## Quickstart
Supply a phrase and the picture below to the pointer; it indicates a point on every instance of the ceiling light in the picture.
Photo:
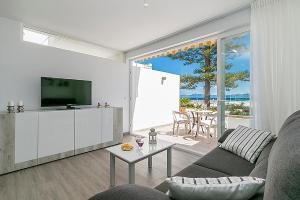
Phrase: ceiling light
(146, 4)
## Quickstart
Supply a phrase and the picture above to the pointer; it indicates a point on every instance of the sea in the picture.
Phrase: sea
(227, 99)
(236, 97)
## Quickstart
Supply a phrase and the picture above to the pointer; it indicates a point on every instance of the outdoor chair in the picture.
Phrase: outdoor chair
(193, 117)
(210, 122)
(181, 118)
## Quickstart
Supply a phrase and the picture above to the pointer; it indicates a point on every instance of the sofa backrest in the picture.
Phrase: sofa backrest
(261, 165)
(283, 177)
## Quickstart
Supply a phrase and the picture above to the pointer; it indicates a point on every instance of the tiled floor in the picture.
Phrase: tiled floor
(200, 144)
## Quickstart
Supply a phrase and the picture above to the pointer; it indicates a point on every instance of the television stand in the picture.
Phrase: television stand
(72, 107)
(43, 135)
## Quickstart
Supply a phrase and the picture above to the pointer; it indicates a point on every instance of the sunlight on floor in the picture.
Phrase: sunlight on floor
(200, 144)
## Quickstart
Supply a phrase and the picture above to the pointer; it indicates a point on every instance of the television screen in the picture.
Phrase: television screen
(63, 92)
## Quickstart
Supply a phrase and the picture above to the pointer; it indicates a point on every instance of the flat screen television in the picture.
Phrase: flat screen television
(65, 92)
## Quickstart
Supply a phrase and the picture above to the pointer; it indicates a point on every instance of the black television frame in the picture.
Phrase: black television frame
(68, 106)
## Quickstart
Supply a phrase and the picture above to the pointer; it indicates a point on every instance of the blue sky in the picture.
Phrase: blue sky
(240, 63)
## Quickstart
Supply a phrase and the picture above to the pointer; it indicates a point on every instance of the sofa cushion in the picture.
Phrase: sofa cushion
(193, 171)
(257, 197)
(261, 165)
(247, 142)
(260, 170)
(225, 135)
(266, 152)
(283, 178)
(223, 188)
(130, 192)
(224, 161)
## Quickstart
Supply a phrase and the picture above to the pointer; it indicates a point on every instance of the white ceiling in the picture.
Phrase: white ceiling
(118, 24)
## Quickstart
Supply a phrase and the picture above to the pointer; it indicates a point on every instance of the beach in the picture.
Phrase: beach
(213, 103)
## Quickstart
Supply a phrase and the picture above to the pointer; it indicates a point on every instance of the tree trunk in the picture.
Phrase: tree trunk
(207, 93)
(207, 58)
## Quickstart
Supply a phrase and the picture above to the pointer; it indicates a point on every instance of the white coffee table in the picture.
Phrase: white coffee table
(136, 155)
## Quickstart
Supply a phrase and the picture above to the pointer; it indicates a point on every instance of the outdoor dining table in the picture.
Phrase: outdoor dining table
(197, 119)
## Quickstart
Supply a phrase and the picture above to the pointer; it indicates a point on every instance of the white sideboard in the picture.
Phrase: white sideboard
(35, 137)
(26, 136)
(107, 127)
(56, 134)
(87, 128)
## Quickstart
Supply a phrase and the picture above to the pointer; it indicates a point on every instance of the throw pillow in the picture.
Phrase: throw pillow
(223, 188)
(247, 142)
(225, 135)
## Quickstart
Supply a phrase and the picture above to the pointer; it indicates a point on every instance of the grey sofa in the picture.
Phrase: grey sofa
(279, 164)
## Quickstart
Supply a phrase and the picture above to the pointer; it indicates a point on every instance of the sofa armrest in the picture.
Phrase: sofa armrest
(130, 192)
(225, 135)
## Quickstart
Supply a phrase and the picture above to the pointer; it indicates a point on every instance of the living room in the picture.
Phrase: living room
(149, 99)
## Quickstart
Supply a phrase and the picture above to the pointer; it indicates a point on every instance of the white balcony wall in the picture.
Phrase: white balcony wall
(152, 98)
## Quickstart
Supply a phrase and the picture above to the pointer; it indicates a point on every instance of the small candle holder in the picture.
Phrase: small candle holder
(20, 108)
(106, 105)
(99, 105)
(152, 136)
(10, 109)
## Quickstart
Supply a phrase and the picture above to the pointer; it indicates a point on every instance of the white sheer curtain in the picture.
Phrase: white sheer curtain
(275, 61)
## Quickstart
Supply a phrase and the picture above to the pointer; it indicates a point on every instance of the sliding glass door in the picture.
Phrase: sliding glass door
(233, 81)
(206, 80)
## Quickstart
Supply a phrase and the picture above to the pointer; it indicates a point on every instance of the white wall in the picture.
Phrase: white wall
(214, 27)
(22, 64)
(153, 100)
(84, 47)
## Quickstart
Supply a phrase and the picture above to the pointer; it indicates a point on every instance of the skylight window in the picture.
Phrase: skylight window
(35, 37)
(67, 43)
